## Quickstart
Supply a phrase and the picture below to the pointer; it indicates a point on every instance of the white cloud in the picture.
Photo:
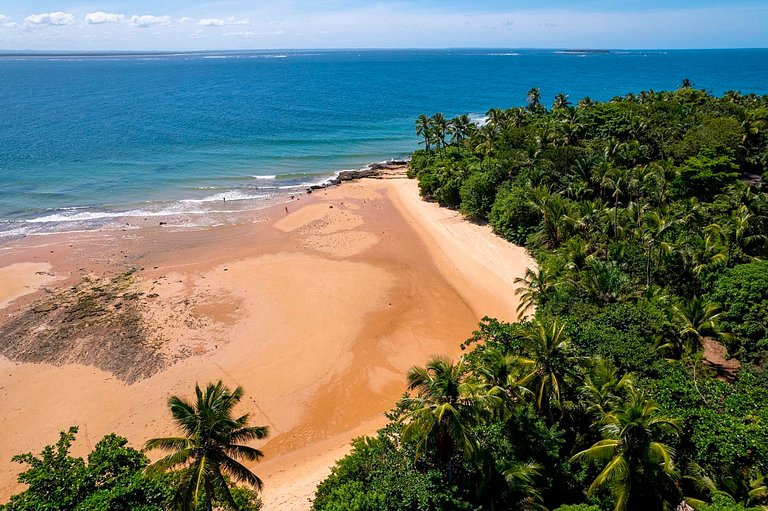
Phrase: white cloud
(210, 22)
(99, 17)
(217, 22)
(253, 35)
(50, 18)
(185, 19)
(147, 20)
(235, 21)
(6, 22)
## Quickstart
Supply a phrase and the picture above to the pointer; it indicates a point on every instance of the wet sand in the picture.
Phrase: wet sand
(318, 313)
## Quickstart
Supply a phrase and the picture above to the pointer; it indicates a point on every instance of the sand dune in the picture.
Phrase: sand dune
(317, 313)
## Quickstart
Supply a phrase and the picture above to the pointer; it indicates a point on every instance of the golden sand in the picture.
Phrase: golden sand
(318, 313)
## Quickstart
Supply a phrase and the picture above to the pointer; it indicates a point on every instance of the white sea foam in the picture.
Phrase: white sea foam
(231, 195)
(97, 215)
(264, 177)
(478, 119)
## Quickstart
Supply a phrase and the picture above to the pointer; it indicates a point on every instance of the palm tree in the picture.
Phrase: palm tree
(535, 284)
(443, 410)
(739, 485)
(440, 127)
(460, 128)
(656, 227)
(210, 447)
(553, 211)
(561, 102)
(741, 222)
(616, 180)
(695, 320)
(547, 363)
(686, 84)
(534, 99)
(516, 117)
(637, 466)
(500, 370)
(705, 253)
(603, 390)
(485, 142)
(497, 118)
(424, 129)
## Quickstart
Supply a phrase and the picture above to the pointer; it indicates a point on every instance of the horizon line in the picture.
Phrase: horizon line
(352, 48)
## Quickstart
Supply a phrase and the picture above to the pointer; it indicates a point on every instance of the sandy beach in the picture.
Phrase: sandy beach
(317, 307)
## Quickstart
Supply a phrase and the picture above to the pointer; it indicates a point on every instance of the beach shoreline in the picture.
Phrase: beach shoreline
(317, 306)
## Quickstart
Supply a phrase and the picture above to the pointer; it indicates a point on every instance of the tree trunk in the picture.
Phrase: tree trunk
(648, 265)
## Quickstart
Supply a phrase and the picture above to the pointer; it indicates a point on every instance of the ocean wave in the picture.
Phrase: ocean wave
(98, 215)
(478, 119)
(231, 195)
(265, 177)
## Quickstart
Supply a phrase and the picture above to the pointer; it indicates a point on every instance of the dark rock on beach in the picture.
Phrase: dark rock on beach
(373, 170)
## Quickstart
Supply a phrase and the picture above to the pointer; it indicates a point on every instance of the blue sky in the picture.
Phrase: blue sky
(252, 24)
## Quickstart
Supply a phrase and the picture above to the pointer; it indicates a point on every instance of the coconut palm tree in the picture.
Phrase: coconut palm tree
(686, 84)
(445, 406)
(440, 128)
(534, 99)
(739, 485)
(561, 102)
(738, 229)
(485, 142)
(516, 117)
(657, 226)
(695, 320)
(602, 389)
(617, 181)
(705, 253)
(546, 364)
(424, 129)
(460, 128)
(535, 284)
(497, 118)
(499, 368)
(210, 447)
(637, 466)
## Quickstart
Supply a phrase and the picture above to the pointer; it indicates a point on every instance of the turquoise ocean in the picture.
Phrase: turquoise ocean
(91, 141)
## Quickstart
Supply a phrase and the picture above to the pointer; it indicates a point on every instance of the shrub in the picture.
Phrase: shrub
(743, 293)
(512, 215)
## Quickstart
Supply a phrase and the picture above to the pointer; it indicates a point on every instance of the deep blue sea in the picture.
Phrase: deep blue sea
(85, 139)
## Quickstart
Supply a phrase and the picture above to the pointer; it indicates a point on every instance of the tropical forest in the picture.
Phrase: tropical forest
(636, 379)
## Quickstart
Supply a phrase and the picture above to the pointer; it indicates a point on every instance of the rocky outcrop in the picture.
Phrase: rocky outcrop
(374, 170)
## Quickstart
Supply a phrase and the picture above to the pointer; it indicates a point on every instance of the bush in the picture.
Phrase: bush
(512, 215)
(477, 193)
(377, 475)
(113, 479)
(706, 175)
(743, 293)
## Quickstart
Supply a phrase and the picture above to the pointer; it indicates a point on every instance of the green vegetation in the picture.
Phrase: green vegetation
(119, 478)
(209, 448)
(648, 217)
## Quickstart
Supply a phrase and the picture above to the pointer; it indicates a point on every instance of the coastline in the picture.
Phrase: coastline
(201, 207)
(331, 288)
